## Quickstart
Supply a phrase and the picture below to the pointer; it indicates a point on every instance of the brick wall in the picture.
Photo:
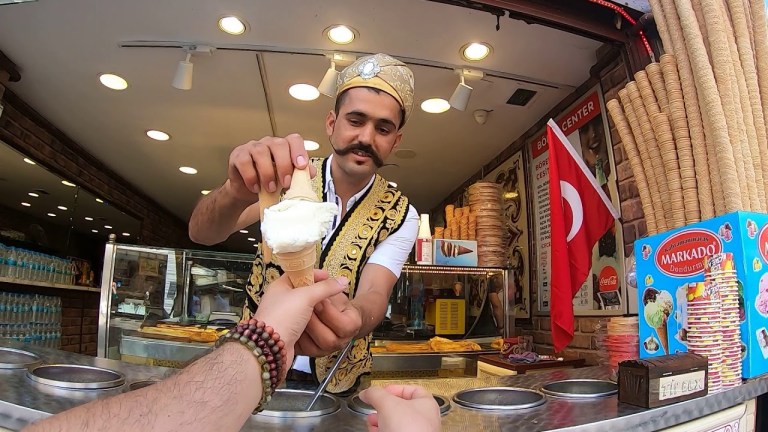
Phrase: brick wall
(27, 131)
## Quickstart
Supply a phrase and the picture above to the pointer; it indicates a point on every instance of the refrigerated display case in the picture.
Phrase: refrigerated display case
(177, 291)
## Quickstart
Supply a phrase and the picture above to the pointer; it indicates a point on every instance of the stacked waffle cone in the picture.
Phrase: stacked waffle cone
(459, 224)
(693, 125)
(485, 200)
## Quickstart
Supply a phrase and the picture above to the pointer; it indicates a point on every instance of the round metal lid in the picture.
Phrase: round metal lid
(580, 388)
(288, 403)
(11, 358)
(76, 376)
(499, 398)
(141, 384)
(357, 405)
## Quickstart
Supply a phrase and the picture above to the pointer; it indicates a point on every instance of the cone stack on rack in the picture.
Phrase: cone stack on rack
(715, 68)
(618, 340)
(485, 200)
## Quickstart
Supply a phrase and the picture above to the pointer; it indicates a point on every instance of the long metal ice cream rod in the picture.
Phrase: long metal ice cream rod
(328, 377)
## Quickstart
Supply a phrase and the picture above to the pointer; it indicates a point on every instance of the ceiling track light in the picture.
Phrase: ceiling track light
(328, 84)
(182, 80)
(460, 98)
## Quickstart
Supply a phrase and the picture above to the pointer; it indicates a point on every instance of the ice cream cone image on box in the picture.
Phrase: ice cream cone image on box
(453, 250)
(293, 228)
(657, 306)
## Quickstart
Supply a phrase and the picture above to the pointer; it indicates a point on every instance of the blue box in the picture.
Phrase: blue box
(461, 253)
(667, 262)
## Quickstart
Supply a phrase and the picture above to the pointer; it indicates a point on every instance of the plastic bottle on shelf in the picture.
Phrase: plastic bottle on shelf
(10, 261)
(424, 241)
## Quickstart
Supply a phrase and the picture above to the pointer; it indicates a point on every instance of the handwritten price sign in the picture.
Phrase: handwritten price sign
(680, 385)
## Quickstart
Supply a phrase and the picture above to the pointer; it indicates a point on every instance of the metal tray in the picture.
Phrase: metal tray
(76, 376)
(580, 388)
(499, 398)
(291, 403)
(11, 358)
(357, 405)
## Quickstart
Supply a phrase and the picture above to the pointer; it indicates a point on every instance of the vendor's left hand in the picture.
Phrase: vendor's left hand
(333, 324)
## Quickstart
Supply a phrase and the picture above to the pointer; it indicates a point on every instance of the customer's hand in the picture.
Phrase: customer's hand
(336, 320)
(266, 164)
(402, 408)
(288, 309)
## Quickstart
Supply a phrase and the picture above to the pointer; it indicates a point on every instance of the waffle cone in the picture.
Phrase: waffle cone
(299, 266)
(663, 336)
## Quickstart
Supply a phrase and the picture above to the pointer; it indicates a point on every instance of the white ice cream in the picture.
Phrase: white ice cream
(291, 225)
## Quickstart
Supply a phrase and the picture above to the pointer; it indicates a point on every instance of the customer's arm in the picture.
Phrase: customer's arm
(217, 392)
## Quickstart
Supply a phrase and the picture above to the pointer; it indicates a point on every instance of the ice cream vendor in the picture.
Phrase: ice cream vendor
(370, 240)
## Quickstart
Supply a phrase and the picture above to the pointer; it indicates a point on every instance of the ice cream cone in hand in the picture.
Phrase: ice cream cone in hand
(299, 266)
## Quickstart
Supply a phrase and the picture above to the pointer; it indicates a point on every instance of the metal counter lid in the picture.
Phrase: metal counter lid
(291, 403)
(357, 405)
(11, 358)
(76, 376)
(499, 398)
(580, 388)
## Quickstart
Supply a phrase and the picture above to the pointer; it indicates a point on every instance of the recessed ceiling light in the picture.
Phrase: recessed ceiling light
(62, 208)
(393, 184)
(99, 200)
(304, 92)
(340, 34)
(232, 25)
(435, 106)
(26, 204)
(251, 239)
(244, 231)
(88, 218)
(52, 214)
(33, 195)
(205, 191)
(94, 230)
(256, 245)
(475, 51)
(158, 135)
(113, 81)
(108, 226)
(310, 145)
(66, 183)
(126, 234)
(29, 161)
(188, 170)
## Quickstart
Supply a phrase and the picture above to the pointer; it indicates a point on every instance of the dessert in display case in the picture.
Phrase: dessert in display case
(162, 306)
(441, 318)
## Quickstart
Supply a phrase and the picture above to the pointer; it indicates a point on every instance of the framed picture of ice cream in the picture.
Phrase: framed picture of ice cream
(585, 125)
(511, 176)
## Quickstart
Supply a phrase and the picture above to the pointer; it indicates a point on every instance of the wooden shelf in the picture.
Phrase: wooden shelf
(49, 285)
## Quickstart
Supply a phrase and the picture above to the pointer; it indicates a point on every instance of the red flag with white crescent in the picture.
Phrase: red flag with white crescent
(580, 213)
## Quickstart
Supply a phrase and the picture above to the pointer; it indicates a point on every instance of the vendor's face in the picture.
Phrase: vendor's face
(365, 130)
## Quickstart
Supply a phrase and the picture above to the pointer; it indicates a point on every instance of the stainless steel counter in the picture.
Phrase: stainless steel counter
(23, 401)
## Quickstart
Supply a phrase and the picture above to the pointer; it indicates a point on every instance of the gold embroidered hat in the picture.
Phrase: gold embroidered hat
(382, 72)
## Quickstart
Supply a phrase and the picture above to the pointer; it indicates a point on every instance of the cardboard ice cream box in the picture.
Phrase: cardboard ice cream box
(667, 262)
(461, 253)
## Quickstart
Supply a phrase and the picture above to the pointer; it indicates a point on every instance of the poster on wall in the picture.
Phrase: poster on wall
(511, 176)
(586, 126)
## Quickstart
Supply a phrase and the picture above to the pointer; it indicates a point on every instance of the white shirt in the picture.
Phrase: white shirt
(391, 253)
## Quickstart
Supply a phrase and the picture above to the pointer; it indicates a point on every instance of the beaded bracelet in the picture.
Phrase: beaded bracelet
(269, 350)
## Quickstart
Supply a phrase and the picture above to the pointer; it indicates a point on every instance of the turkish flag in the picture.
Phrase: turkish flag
(580, 213)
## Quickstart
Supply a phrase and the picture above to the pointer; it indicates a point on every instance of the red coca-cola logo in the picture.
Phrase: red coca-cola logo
(762, 243)
(682, 254)
(608, 279)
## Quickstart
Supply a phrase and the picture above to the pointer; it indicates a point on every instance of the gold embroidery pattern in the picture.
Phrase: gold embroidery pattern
(380, 213)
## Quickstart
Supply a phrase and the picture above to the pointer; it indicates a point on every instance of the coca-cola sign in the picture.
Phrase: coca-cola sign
(608, 279)
(683, 254)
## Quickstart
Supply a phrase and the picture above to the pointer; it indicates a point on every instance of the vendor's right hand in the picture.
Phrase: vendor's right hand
(266, 164)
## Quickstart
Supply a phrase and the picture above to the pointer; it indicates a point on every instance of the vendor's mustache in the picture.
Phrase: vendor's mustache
(365, 148)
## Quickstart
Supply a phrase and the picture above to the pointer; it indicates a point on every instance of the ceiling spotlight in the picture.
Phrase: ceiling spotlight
(311, 145)
(26, 204)
(88, 218)
(393, 184)
(100, 200)
(340, 34)
(304, 92)
(188, 170)
(33, 195)
(66, 183)
(232, 25)
(435, 106)
(29, 161)
(113, 81)
(328, 84)
(126, 234)
(158, 135)
(205, 191)
(475, 51)
(52, 214)
(251, 239)
(108, 226)
(94, 230)
(460, 97)
(62, 208)
(244, 231)
(183, 78)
